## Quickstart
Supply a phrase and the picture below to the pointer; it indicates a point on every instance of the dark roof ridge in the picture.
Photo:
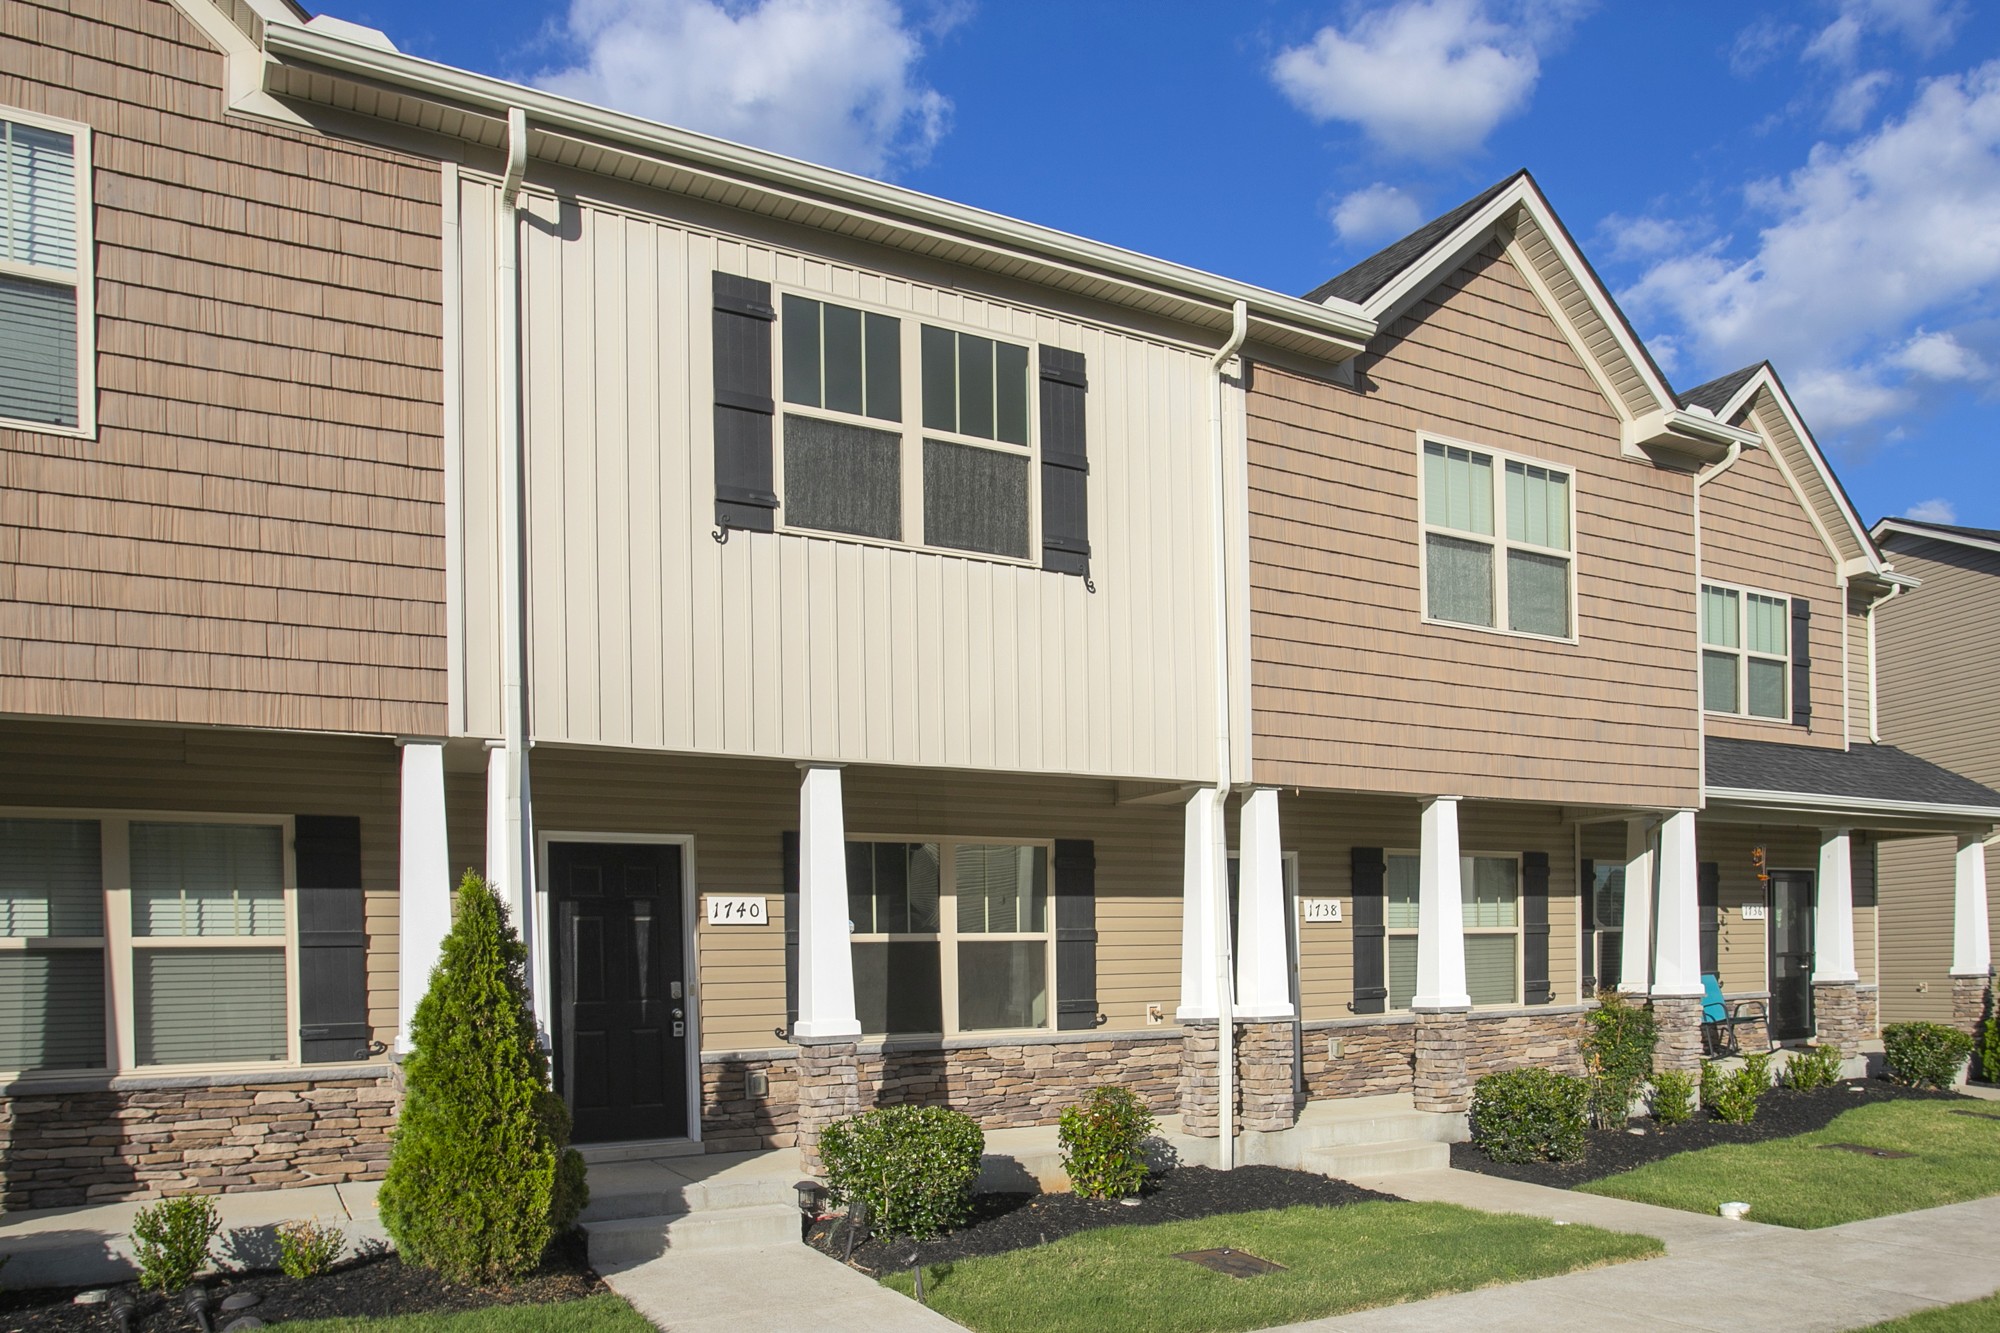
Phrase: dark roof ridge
(1982, 534)
(1372, 274)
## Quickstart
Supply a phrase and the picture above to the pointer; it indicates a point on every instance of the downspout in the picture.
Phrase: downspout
(1701, 479)
(1225, 972)
(517, 874)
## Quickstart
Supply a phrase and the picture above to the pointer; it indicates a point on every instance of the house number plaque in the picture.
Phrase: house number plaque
(737, 912)
(1319, 909)
(1753, 911)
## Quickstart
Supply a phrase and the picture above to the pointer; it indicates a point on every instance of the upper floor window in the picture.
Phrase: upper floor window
(1497, 541)
(1745, 651)
(44, 272)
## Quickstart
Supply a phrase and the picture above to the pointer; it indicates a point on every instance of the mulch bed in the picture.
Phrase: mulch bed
(1003, 1222)
(1781, 1114)
(379, 1284)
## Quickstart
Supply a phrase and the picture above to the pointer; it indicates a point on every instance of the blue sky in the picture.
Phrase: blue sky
(1817, 182)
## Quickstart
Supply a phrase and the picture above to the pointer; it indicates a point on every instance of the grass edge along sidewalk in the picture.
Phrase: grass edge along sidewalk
(1336, 1260)
(601, 1313)
(1954, 1149)
(1968, 1317)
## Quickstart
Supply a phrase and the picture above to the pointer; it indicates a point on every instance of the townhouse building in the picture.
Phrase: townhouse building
(882, 650)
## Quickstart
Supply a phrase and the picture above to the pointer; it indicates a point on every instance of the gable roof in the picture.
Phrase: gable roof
(1715, 395)
(1874, 773)
(1982, 538)
(1372, 274)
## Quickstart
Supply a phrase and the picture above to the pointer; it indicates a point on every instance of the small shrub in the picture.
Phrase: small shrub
(1673, 1097)
(1618, 1051)
(1757, 1065)
(1989, 1050)
(1103, 1143)
(1925, 1055)
(912, 1165)
(1733, 1097)
(308, 1247)
(1530, 1115)
(1814, 1067)
(170, 1239)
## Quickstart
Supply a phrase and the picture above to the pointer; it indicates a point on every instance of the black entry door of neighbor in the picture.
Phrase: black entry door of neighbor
(621, 1020)
(1790, 930)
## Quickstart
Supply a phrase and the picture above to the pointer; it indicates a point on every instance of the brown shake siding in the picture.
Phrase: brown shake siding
(1351, 689)
(255, 537)
(1756, 534)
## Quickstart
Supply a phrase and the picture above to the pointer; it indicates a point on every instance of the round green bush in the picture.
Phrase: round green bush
(481, 1175)
(914, 1166)
(1103, 1143)
(1814, 1067)
(1732, 1098)
(1530, 1115)
(1673, 1097)
(1925, 1055)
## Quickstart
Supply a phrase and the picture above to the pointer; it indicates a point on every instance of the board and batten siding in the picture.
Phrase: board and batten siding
(1756, 534)
(256, 535)
(1351, 688)
(92, 767)
(648, 633)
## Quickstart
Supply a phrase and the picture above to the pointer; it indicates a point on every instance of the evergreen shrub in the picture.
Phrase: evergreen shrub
(1673, 1097)
(1103, 1143)
(1618, 1051)
(913, 1166)
(481, 1175)
(1814, 1067)
(170, 1239)
(308, 1247)
(1530, 1115)
(1989, 1050)
(1925, 1055)
(1732, 1098)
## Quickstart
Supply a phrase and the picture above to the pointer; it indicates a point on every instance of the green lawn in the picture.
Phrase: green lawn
(602, 1313)
(1971, 1317)
(1337, 1259)
(1794, 1183)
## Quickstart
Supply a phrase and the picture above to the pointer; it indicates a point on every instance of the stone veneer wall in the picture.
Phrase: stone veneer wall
(1868, 1000)
(1375, 1057)
(143, 1138)
(1971, 1001)
(1545, 1039)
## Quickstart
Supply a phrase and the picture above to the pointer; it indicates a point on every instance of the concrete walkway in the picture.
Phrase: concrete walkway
(1717, 1276)
(770, 1289)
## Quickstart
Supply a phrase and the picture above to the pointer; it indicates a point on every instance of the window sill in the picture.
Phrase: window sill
(35, 1085)
(1570, 641)
(1755, 719)
(784, 529)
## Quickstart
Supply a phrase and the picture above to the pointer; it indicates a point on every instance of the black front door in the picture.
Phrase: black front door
(621, 1008)
(1790, 930)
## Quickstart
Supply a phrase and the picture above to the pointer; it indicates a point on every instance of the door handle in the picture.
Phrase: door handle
(678, 1014)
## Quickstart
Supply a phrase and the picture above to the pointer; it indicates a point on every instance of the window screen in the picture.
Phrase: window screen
(975, 499)
(1537, 593)
(842, 478)
(1460, 576)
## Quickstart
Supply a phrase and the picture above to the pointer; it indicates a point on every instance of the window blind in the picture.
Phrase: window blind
(52, 1009)
(209, 1005)
(1458, 489)
(208, 879)
(1537, 506)
(38, 352)
(37, 196)
(1001, 890)
(1491, 974)
(51, 878)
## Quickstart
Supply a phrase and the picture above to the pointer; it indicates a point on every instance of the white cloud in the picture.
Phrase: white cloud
(1427, 78)
(1863, 242)
(1378, 213)
(1856, 98)
(1758, 45)
(1933, 511)
(831, 81)
(1926, 26)
(1639, 238)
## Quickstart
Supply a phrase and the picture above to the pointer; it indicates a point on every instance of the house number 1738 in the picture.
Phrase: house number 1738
(736, 912)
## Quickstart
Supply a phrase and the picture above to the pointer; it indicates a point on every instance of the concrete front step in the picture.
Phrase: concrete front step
(633, 1240)
(617, 1201)
(1378, 1159)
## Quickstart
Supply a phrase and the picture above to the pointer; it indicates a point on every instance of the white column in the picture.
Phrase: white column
(1636, 956)
(500, 857)
(1971, 943)
(826, 956)
(1200, 883)
(423, 885)
(1833, 912)
(1263, 967)
(510, 864)
(1440, 912)
(1677, 951)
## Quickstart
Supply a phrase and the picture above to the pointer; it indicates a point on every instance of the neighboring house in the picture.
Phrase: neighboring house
(883, 650)
(1937, 666)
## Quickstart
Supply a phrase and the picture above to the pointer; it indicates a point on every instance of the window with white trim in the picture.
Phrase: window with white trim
(1490, 900)
(1497, 541)
(941, 456)
(951, 936)
(45, 265)
(192, 962)
(1745, 652)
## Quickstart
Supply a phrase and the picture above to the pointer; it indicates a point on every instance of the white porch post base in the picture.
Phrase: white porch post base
(1199, 886)
(1636, 955)
(1440, 912)
(1677, 951)
(826, 957)
(423, 886)
(1263, 965)
(1833, 913)
(1971, 939)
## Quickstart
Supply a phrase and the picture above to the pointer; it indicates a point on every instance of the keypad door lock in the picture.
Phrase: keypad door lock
(680, 1028)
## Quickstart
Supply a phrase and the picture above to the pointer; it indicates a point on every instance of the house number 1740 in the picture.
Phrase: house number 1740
(736, 912)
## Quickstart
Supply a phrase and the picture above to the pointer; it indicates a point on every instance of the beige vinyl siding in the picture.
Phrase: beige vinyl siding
(255, 538)
(1325, 828)
(1917, 912)
(1859, 704)
(648, 633)
(95, 767)
(1743, 946)
(1351, 689)
(737, 812)
(1755, 534)
(1866, 878)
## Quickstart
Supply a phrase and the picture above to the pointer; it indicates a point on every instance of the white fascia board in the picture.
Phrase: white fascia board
(1818, 803)
(1678, 428)
(1339, 322)
(1896, 527)
(1764, 379)
(243, 63)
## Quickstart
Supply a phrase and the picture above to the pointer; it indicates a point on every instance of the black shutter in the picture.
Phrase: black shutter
(791, 855)
(1371, 987)
(744, 497)
(333, 940)
(1708, 898)
(1587, 913)
(1801, 662)
(1535, 987)
(1076, 934)
(1065, 465)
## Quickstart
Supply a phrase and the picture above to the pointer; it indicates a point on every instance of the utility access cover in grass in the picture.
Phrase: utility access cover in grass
(1865, 1150)
(1236, 1263)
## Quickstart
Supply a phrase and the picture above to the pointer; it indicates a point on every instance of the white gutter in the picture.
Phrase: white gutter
(1861, 805)
(1225, 971)
(1701, 479)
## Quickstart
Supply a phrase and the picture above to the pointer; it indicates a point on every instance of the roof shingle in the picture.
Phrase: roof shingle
(1380, 269)
(1864, 772)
